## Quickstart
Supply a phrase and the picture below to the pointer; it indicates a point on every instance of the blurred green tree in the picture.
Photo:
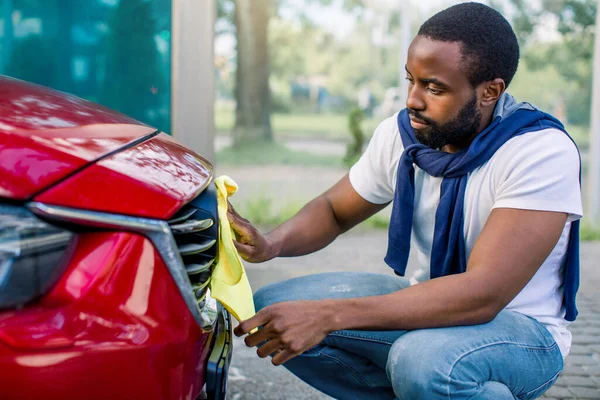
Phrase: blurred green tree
(571, 56)
(251, 20)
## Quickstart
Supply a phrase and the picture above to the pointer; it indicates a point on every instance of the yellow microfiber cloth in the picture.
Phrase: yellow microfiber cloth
(229, 283)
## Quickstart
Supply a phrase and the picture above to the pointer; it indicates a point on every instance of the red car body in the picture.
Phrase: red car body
(116, 323)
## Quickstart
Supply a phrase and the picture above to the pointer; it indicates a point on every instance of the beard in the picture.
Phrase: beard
(455, 132)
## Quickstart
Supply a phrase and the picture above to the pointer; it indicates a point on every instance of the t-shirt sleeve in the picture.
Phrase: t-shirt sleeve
(374, 174)
(539, 171)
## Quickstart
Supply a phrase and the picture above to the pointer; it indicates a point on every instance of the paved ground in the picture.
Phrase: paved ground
(252, 378)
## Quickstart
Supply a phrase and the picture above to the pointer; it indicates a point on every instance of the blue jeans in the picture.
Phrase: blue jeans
(511, 357)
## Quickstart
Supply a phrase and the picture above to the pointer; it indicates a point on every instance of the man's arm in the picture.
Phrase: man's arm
(510, 249)
(315, 226)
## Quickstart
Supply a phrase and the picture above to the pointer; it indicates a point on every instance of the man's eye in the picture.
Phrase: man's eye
(409, 79)
(435, 91)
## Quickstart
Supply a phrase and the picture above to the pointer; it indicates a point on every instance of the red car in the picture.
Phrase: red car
(108, 232)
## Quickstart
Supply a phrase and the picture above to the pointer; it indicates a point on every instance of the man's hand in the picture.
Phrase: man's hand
(288, 329)
(252, 245)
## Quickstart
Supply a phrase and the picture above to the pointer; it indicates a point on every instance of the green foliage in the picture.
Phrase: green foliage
(355, 147)
(225, 9)
(588, 234)
(377, 221)
(281, 103)
(581, 135)
(571, 56)
(271, 153)
(531, 84)
(261, 212)
(300, 50)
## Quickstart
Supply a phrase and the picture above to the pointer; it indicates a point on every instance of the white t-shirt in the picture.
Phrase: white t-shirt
(534, 171)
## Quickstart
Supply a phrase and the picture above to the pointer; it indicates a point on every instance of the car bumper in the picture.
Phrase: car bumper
(220, 357)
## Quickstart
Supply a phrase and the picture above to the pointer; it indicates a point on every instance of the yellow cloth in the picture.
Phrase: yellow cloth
(229, 283)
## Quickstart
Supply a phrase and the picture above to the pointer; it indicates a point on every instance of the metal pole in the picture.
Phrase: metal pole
(594, 156)
(405, 39)
(193, 74)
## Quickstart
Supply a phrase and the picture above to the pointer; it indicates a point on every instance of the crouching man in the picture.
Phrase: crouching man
(487, 190)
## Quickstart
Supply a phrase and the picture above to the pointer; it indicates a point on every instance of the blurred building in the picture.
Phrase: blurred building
(130, 55)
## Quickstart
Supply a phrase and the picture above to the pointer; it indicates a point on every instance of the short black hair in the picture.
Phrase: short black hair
(489, 44)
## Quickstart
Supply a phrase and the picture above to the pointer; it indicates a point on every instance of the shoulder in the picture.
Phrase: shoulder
(388, 127)
(386, 136)
(543, 146)
(538, 171)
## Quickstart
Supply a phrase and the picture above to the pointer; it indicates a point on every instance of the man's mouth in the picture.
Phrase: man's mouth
(417, 123)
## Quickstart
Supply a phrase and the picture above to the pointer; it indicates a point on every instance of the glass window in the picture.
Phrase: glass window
(113, 52)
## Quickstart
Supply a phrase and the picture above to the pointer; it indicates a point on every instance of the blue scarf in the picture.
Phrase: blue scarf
(448, 254)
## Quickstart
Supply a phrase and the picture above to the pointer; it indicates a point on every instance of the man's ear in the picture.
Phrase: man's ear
(492, 91)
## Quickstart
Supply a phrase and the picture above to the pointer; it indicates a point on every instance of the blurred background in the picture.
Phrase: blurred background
(302, 84)
(283, 95)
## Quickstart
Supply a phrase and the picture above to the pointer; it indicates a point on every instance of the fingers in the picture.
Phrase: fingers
(239, 228)
(244, 250)
(283, 356)
(261, 335)
(268, 348)
(231, 209)
(259, 319)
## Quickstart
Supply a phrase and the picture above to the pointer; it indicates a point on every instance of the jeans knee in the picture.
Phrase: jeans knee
(292, 289)
(263, 297)
(425, 365)
(418, 369)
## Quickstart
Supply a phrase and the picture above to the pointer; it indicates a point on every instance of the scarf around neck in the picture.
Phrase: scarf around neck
(448, 254)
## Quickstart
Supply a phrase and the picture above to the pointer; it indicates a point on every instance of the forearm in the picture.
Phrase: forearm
(448, 301)
(313, 228)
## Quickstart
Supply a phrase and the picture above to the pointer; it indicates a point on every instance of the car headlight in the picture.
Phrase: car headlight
(31, 255)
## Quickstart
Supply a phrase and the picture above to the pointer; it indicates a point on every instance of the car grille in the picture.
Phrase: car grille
(195, 230)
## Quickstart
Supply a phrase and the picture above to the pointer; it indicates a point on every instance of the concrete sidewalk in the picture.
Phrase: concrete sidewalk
(254, 378)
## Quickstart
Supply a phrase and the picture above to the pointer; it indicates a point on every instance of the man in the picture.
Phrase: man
(489, 189)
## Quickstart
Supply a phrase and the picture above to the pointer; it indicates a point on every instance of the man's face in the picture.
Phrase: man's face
(443, 105)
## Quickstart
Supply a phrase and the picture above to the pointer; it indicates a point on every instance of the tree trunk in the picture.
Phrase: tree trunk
(253, 112)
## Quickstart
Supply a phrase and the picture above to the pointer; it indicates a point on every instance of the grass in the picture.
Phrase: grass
(272, 153)
(323, 126)
(377, 222)
(260, 212)
(588, 234)
(335, 126)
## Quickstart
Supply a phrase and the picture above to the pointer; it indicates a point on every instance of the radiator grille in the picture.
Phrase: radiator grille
(195, 230)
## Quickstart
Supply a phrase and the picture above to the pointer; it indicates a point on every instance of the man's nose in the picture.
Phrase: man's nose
(414, 101)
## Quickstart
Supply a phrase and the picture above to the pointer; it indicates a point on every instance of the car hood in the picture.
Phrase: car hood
(47, 136)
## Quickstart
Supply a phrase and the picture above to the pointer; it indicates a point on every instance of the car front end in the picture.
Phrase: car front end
(108, 236)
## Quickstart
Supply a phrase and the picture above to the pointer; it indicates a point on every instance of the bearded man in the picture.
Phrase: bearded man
(487, 191)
